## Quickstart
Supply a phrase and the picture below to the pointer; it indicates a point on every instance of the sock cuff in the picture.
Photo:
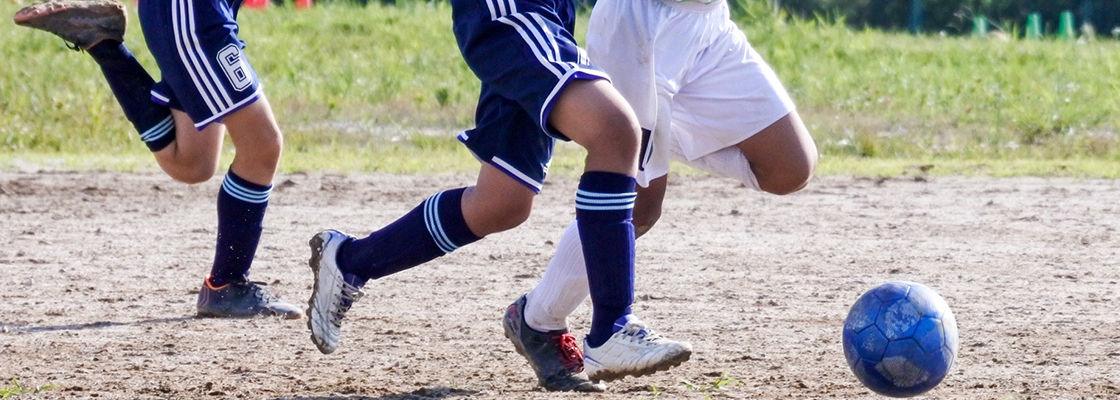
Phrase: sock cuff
(241, 189)
(159, 135)
(443, 217)
(109, 50)
(605, 196)
(606, 182)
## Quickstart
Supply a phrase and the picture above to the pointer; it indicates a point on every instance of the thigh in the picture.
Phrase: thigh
(195, 154)
(256, 136)
(727, 97)
(196, 45)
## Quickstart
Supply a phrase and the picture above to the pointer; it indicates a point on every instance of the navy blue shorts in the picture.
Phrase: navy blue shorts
(524, 53)
(194, 42)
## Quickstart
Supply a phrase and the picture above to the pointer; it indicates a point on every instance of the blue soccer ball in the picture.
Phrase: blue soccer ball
(900, 339)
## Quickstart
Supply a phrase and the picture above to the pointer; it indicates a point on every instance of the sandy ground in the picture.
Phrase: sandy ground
(101, 270)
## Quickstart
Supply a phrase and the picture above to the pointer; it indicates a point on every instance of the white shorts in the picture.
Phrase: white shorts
(689, 73)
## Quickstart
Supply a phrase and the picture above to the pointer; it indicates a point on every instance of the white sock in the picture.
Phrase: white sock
(562, 288)
(728, 162)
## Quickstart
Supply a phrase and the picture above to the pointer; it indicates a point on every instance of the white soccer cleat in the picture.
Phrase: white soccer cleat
(635, 350)
(332, 295)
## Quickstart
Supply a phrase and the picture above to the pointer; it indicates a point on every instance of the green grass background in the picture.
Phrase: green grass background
(383, 88)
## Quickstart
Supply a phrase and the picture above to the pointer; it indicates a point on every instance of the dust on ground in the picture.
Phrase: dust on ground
(101, 270)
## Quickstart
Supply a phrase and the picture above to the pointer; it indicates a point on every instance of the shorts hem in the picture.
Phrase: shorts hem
(218, 116)
(517, 175)
(582, 74)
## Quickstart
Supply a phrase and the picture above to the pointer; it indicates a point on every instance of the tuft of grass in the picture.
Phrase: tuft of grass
(15, 389)
(717, 383)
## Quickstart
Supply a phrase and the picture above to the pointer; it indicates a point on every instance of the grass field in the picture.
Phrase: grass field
(371, 88)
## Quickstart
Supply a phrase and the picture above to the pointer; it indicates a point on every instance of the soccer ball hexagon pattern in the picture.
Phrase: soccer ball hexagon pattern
(900, 339)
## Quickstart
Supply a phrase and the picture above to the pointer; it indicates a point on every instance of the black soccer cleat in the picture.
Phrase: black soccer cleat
(555, 356)
(242, 299)
(83, 23)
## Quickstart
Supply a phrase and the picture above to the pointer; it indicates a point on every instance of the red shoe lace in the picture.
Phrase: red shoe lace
(571, 357)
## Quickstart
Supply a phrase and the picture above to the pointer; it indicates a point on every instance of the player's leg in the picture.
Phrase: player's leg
(781, 156)
(563, 287)
(206, 75)
(596, 116)
(733, 102)
(439, 225)
(98, 27)
(620, 40)
(193, 156)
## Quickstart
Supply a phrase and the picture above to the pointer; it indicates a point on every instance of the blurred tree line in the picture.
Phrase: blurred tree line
(956, 16)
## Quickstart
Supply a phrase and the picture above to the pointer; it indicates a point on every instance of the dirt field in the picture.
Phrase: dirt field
(100, 273)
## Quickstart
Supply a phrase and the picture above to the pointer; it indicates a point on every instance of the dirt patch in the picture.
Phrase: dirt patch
(100, 273)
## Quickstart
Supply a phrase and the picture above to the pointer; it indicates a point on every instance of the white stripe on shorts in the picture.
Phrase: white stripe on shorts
(537, 42)
(501, 8)
(505, 166)
(195, 60)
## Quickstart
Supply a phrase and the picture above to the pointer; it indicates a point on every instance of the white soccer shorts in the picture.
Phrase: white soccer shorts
(691, 77)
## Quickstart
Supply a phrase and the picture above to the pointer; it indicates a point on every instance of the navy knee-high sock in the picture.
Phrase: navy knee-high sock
(432, 229)
(132, 86)
(241, 206)
(604, 217)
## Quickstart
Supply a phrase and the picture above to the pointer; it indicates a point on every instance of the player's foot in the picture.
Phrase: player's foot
(81, 22)
(333, 294)
(634, 350)
(242, 299)
(554, 356)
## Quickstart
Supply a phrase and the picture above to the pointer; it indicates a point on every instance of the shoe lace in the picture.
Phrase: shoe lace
(346, 298)
(259, 292)
(638, 332)
(571, 357)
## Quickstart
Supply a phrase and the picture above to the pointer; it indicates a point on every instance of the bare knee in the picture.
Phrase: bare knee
(496, 204)
(594, 115)
(643, 223)
(616, 135)
(507, 213)
(192, 174)
(786, 180)
(782, 156)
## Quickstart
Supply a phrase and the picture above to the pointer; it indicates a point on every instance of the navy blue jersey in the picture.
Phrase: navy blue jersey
(195, 43)
(524, 53)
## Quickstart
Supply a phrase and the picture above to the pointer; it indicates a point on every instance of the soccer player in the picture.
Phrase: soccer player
(703, 97)
(207, 86)
(537, 86)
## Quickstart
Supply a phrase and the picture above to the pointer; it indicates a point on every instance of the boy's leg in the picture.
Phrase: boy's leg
(98, 26)
(779, 159)
(595, 116)
(207, 76)
(242, 201)
(563, 287)
(439, 225)
(782, 157)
